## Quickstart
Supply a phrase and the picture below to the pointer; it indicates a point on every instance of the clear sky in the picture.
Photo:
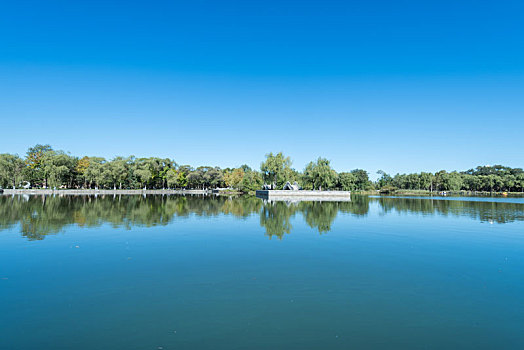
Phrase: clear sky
(395, 85)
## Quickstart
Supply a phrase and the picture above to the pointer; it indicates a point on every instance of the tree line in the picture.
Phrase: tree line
(44, 167)
(497, 178)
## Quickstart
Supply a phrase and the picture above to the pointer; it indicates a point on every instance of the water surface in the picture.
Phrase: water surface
(194, 272)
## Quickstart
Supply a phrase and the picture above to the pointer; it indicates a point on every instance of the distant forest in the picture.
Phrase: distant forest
(44, 167)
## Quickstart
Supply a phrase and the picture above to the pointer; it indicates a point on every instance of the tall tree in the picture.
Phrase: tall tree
(35, 166)
(362, 179)
(94, 172)
(347, 181)
(81, 168)
(58, 169)
(320, 175)
(426, 181)
(251, 181)
(234, 178)
(143, 171)
(11, 167)
(384, 180)
(276, 169)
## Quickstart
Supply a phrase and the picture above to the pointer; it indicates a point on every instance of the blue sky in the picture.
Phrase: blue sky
(400, 86)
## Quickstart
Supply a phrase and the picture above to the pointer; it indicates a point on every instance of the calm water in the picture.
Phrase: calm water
(216, 273)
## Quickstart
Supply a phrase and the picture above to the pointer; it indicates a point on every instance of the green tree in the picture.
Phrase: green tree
(11, 168)
(58, 169)
(175, 178)
(184, 171)
(509, 182)
(94, 172)
(384, 180)
(276, 170)
(438, 179)
(81, 168)
(251, 181)
(426, 181)
(143, 172)
(519, 182)
(118, 171)
(320, 175)
(450, 181)
(214, 177)
(471, 182)
(195, 179)
(347, 181)
(362, 179)
(234, 178)
(35, 166)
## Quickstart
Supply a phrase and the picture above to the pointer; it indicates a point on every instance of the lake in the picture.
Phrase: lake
(195, 272)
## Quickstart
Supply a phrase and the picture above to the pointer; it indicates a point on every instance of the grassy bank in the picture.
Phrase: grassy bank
(435, 193)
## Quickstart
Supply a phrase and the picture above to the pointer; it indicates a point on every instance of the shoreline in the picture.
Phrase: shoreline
(100, 192)
(258, 193)
(437, 193)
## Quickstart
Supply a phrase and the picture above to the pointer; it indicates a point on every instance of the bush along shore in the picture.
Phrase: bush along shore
(42, 167)
(400, 192)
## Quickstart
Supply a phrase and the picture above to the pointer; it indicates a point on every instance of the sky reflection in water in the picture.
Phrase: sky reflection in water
(200, 273)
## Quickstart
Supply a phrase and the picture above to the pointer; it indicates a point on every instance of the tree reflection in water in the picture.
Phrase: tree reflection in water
(484, 211)
(38, 216)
